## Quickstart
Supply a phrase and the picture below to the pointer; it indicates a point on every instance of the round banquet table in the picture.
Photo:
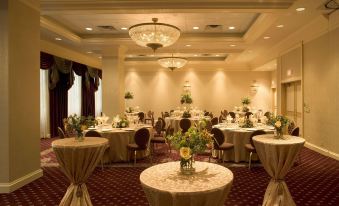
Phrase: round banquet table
(118, 139)
(77, 160)
(238, 137)
(277, 157)
(174, 122)
(164, 185)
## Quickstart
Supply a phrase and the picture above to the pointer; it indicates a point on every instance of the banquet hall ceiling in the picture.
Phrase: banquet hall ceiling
(256, 27)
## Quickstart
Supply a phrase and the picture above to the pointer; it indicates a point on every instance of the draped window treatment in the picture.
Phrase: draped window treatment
(61, 78)
(44, 105)
(74, 97)
(98, 100)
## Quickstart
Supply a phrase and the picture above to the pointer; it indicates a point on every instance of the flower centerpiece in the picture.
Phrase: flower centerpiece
(119, 122)
(129, 95)
(129, 110)
(279, 122)
(78, 124)
(195, 140)
(186, 114)
(245, 102)
(245, 122)
(186, 99)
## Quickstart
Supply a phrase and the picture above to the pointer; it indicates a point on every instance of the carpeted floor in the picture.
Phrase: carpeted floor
(313, 182)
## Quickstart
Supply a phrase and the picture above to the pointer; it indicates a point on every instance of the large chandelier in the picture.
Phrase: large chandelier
(172, 62)
(154, 35)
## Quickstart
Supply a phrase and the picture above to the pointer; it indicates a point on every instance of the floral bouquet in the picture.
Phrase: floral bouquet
(186, 99)
(78, 124)
(129, 110)
(195, 140)
(186, 114)
(129, 95)
(245, 122)
(279, 122)
(120, 122)
(245, 102)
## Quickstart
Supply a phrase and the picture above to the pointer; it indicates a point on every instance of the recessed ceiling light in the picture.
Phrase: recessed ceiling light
(195, 27)
(280, 26)
(188, 45)
(217, 55)
(300, 9)
(89, 29)
(123, 28)
(267, 37)
(231, 27)
(100, 57)
(232, 45)
(89, 52)
(195, 55)
(58, 39)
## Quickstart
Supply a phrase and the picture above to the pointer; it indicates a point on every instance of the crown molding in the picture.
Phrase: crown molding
(261, 24)
(34, 4)
(58, 29)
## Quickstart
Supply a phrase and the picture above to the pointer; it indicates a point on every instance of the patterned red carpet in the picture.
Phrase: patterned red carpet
(313, 182)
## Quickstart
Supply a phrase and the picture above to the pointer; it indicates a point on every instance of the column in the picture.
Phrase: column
(113, 83)
(19, 89)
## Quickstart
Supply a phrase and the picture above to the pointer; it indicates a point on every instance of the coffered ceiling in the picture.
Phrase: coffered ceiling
(227, 33)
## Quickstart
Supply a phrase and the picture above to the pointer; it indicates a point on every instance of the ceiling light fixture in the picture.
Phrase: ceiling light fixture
(172, 62)
(195, 27)
(188, 45)
(154, 35)
(280, 26)
(267, 37)
(231, 27)
(58, 39)
(89, 52)
(123, 28)
(300, 9)
(89, 28)
(232, 45)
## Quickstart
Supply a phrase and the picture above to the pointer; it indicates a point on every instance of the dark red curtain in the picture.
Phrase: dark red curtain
(58, 107)
(88, 98)
(46, 60)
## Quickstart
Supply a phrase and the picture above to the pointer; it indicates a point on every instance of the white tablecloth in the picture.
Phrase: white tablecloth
(165, 186)
(118, 139)
(238, 137)
(277, 156)
(78, 160)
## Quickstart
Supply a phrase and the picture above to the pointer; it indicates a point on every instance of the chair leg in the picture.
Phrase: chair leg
(135, 157)
(249, 161)
(151, 158)
(102, 164)
(223, 156)
(128, 156)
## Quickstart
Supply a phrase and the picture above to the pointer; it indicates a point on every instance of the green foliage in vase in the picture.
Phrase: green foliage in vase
(246, 101)
(186, 99)
(278, 122)
(129, 95)
(186, 114)
(79, 123)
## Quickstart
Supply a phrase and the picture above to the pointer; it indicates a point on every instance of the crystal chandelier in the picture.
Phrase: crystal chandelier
(172, 62)
(154, 35)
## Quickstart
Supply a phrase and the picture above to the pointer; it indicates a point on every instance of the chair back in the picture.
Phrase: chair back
(218, 137)
(141, 116)
(248, 114)
(209, 126)
(295, 131)
(232, 114)
(61, 133)
(185, 124)
(225, 113)
(141, 138)
(92, 133)
(267, 114)
(206, 113)
(150, 114)
(158, 126)
(214, 121)
(255, 133)
(169, 131)
(221, 118)
(290, 127)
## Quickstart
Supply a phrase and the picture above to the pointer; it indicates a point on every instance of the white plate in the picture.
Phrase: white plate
(92, 128)
(251, 129)
(106, 130)
(128, 129)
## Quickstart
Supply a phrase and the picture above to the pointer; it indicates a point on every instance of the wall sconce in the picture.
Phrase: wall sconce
(254, 87)
(289, 72)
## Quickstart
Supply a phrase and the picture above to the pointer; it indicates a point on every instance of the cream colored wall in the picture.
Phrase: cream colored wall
(19, 119)
(213, 90)
(321, 74)
(60, 51)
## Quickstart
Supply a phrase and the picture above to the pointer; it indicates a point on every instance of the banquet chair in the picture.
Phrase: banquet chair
(214, 121)
(61, 133)
(209, 126)
(291, 127)
(232, 114)
(141, 139)
(165, 114)
(185, 124)
(150, 118)
(248, 114)
(158, 128)
(141, 116)
(221, 118)
(219, 142)
(250, 146)
(163, 124)
(92, 133)
(267, 115)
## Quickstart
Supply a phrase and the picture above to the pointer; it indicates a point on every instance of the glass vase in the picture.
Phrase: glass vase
(278, 133)
(186, 166)
(80, 136)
